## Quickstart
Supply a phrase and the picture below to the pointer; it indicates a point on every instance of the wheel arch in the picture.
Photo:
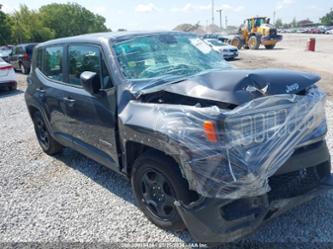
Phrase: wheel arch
(32, 110)
(134, 149)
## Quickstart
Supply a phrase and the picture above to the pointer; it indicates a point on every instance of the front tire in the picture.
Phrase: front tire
(46, 141)
(254, 42)
(157, 183)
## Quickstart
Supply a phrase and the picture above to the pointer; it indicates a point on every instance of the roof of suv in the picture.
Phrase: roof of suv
(26, 44)
(116, 36)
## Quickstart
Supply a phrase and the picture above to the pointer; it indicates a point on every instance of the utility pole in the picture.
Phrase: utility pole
(213, 12)
(226, 22)
(220, 11)
(274, 17)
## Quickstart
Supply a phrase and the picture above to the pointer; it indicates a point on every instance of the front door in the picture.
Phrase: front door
(92, 118)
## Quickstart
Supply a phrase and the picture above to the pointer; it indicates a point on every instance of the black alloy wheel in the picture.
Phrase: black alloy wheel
(46, 141)
(158, 194)
(157, 183)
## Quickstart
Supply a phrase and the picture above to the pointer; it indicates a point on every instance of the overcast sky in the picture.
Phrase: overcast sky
(166, 14)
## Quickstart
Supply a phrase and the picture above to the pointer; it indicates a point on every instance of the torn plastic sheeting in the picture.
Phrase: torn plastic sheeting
(254, 140)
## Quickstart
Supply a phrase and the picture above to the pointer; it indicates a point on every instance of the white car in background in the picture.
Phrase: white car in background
(7, 76)
(229, 52)
(329, 32)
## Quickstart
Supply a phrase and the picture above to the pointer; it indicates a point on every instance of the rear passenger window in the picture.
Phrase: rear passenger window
(52, 62)
(86, 58)
(19, 50)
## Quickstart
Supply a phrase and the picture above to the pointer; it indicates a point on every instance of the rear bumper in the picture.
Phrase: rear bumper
(219, 220)
(8, 84)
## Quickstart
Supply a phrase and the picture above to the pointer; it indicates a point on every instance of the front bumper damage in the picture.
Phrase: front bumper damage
(222, 221)
(299, 175)
(257, 144)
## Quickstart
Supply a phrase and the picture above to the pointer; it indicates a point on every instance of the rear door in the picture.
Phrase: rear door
(92, 118)
(50, 90)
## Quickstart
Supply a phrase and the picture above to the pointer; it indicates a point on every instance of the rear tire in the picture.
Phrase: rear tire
(269, 46)
(254, 42)
(157, 183)
(23, 69)
(46, 141)
(237, 42)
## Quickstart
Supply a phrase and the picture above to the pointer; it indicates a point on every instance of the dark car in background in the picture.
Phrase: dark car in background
(21, 57)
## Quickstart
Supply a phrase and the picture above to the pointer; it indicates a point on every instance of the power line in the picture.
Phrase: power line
(220, 11)
(213, 12)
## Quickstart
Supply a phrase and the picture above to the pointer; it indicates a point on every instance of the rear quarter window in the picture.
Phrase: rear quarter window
(39, 58)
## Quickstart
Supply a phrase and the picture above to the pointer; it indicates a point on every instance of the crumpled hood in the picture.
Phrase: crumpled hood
(241, 86)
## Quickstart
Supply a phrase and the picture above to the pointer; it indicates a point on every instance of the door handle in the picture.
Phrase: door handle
(40, 90)
(69, 100)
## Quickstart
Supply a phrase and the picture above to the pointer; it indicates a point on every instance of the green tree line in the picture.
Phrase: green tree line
(48, 22)
(325, 20)
(328, 18)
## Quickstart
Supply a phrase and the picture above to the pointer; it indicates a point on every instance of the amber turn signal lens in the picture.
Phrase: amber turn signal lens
(210, 131)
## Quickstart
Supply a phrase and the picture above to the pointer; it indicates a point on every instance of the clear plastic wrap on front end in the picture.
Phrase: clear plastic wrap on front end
(253, 140)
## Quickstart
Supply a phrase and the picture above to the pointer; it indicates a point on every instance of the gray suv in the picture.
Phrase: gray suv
(213, 149)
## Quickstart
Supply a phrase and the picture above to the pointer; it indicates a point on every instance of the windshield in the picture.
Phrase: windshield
(260, 21)
(216, 43)
(166, 56)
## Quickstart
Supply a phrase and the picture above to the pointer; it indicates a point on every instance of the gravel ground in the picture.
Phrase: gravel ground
(291, 51)
(71, 198)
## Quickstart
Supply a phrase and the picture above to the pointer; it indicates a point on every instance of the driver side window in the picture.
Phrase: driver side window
(86, 58)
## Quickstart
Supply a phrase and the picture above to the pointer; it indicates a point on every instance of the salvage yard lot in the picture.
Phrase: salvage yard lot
(71, 198)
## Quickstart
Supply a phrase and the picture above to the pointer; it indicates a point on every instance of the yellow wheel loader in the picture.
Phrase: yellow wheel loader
(254, 32)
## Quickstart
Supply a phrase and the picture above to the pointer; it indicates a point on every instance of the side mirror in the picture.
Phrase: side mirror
(90, 82)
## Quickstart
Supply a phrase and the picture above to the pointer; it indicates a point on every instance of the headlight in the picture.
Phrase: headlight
(261, 127)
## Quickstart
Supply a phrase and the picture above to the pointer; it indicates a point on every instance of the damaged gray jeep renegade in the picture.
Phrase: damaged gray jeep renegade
(213, 149)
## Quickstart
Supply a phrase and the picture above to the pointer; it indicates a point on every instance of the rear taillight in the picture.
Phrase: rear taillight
(6, 68)
(26, 56)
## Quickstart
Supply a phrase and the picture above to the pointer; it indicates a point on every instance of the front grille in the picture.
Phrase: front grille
(298, 182)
